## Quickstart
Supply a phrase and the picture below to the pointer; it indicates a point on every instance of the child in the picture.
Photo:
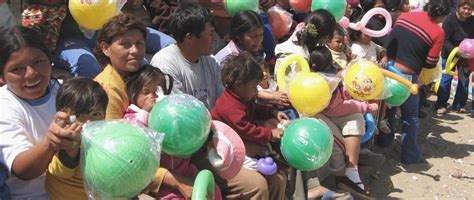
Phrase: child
(64, 178)
(348, 115)
(268, 90)
(237, 108)
(337, 45)
(364, 47)
(144, 87)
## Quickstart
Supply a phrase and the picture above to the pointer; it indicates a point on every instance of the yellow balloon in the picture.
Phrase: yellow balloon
(364, 80)
(429, 75)
(92, 14)
(451, 62)
(282, 68)
(309, 93)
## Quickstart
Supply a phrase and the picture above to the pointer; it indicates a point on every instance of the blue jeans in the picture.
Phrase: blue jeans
(444, 90)
(410, 122)
(4, 190)
(75, 54)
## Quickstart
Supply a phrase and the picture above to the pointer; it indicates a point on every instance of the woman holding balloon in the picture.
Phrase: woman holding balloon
(419, 33)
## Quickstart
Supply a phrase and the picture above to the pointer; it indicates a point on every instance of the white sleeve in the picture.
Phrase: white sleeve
(357, 51)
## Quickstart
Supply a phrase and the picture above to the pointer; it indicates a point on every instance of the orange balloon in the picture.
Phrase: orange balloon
(280, 20)
(301, 5)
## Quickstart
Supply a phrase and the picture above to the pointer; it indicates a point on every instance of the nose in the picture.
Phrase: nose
(30, 72)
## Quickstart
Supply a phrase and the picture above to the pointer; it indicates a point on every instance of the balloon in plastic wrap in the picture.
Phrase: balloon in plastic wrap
(336, 7)
(364, 80)
(234, 6)
(280, 20)
(307, 144)
(93, 14)
(400, 92)
(184, 120)
(301, 5)
(119, 159)
(309, 93)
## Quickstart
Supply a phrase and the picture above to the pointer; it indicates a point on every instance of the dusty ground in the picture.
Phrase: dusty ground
(447, 141)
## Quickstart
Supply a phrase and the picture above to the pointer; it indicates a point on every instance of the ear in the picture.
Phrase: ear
(105, 48)
(2, 81)
(188, 36)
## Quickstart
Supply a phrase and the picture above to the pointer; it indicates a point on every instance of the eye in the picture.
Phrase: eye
(17, 69)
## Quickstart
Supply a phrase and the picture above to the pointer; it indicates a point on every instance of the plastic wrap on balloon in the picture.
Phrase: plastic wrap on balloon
(118, 158)
(428, 76)
(234, 6)
(93, 14)
(466, 48)
(307, 144)
(280, 20)
(309, 93)
(336, 7)
(287, 69)
(301, 6)
(399, 93)
(364, 80)
(184, 120)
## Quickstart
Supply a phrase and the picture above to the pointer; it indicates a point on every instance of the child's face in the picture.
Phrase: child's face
(247, 91)
(336, 43)
(95, 114)
(148, 93)
(405, 6)
(364, 39)
(266, 74)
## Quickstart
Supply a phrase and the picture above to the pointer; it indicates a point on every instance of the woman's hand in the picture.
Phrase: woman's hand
(63, 134)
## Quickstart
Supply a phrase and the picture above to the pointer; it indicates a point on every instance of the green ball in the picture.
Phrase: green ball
(117, 158)
(307, 144)
(336, 7)
(184, 120)
(400, 92)
(234, 6)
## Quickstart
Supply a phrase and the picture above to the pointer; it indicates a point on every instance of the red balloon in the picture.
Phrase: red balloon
(280, 20)
(353, 3)
(301, 5)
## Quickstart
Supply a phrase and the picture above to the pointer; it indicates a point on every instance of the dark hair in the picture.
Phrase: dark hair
(470, 3)
(355, 34)
(116, 26)
(261, 61)
(17, 37)
(243, 22)
(80, 95)
(437, 8)
(135, 81)
(189, 18)
(243, 67)
(320, 59)
(323, 21)
(338, 30)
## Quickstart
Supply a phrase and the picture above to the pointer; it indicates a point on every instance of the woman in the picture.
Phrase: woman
(30, 135)
(246, 34)
(414, 43)
(457, 27)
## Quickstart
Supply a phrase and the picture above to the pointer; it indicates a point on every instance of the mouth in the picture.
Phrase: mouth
(33, 84)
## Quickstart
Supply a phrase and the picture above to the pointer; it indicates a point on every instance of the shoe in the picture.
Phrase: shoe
(441, 110)
(462, 110)
(416, 167)
(370, 158)
(344, 183)
(384, 127)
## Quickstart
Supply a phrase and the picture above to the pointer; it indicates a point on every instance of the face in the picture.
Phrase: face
(364, 39)
(27, 73)
(336, 43)
(204, 43)
(95, 114)
(148, 91)
(252, 40)
(464, 12)
(379, 4)
(126, 52)
(266, 74)
(247, 91)
(405, 6)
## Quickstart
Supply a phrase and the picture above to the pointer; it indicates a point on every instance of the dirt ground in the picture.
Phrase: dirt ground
(447, 141)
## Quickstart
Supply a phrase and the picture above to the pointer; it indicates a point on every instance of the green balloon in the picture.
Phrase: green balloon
(307, 144)
(234, 6)
(400, 92)
(336, 7)
(184, 120)
(203, 185)
(117, 158)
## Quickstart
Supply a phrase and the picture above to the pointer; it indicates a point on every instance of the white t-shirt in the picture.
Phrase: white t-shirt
(24, 124)
(369, 52)
(201, 80)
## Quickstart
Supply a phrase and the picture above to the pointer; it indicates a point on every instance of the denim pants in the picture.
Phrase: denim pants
(410, 122)
(75, 54)
(444, 90)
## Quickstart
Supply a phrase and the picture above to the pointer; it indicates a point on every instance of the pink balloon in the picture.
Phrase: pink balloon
(466, 48)
(361, 25)
(353, 3)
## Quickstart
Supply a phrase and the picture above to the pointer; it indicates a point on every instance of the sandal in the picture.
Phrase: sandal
(462, 110)
(346, 184)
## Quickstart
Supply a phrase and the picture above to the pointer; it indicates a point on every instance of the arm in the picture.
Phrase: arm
(164, 177)
(277, 98)
(237, 120)
(447, 45)
(341, 105)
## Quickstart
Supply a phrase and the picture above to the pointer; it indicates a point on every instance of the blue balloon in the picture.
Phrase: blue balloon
(369, 127)
(391, 67)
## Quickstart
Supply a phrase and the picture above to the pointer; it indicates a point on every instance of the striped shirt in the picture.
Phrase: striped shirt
(415, 41)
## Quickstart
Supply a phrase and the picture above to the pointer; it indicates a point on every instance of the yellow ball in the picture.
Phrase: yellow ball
(92, 15)
(364, 80)
(309, 93)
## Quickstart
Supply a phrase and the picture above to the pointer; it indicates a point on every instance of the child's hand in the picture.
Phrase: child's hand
(281, 116)
(149, 103)
(276, 134)
(383, 62)
(281, 98)
(373, 107)
(62, 134)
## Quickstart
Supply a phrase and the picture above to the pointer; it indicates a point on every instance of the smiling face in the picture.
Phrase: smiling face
(126, 52)
(27, 73)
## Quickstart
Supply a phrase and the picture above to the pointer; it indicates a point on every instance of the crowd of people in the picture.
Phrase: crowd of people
(230, 71)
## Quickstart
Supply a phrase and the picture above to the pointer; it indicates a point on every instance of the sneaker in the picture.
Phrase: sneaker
(384, 127)
(370, 158)
(344, 183)
(441, 110)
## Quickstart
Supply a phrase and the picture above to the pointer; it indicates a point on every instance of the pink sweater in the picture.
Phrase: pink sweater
(342, 104)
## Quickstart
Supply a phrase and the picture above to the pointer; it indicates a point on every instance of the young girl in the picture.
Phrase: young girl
(64, 177)
(346, 113)
(364, 47)
(237, 108)
(144, 87)
(268, 90)
(337, 45)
